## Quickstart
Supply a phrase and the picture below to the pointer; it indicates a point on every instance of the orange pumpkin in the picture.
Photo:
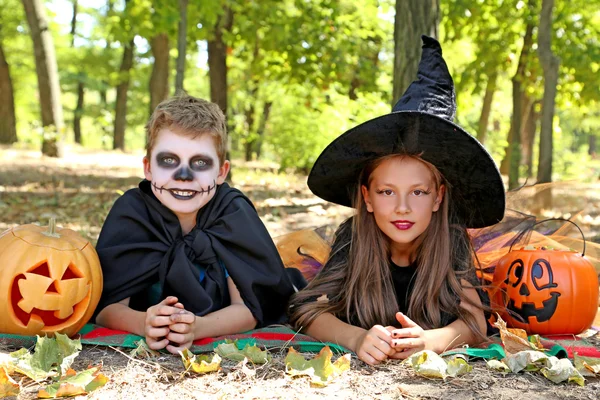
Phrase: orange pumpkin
(51, 280)
(545, 291)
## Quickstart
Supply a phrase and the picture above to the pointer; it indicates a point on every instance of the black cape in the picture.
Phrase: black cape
(141, 243)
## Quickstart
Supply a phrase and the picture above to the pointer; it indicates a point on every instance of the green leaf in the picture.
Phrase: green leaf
(143, 351)
(230, 351)
(319, 369)
(201, 363)
(74, 385)
(587, 366)
(457, 365)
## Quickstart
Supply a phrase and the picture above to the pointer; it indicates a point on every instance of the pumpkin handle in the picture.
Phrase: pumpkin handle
(518, 237)
(52, 228)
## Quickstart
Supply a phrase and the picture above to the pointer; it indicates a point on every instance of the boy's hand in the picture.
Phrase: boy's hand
(157, 323)
(375, 345)
(407, 340)
(182, 328)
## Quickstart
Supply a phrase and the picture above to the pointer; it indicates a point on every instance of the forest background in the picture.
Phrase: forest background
(291, 75)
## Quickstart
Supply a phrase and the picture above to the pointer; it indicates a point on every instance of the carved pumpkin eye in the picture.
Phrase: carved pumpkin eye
(515, 273)
(541, 275)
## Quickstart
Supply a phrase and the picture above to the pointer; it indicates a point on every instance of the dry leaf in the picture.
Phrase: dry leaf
(143, 351)
(514, 340)
(8, 387)
(202, 363)
(319, 369)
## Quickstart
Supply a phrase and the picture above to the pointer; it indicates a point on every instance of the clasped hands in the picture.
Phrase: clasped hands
(380, 343)
(169, 325)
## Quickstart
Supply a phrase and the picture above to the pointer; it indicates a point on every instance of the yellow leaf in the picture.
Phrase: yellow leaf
(497, 365)
(429, 364)
(319, 369)
(587, 366)
(8, 387)
(201, 364)
(143, 351)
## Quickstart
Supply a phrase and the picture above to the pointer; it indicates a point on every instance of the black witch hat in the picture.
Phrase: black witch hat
(421, 123)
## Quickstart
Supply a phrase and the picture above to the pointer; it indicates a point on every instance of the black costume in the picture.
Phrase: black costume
(141, 243)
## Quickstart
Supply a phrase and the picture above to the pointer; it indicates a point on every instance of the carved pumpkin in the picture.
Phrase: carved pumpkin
(545, 291)
(51, 280)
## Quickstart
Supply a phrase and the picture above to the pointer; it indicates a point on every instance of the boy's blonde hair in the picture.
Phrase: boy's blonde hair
(189, 116)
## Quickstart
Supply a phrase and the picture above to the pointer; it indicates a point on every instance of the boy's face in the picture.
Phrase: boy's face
(184, 172)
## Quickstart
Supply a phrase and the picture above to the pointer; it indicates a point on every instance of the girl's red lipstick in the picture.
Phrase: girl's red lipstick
(403, 225)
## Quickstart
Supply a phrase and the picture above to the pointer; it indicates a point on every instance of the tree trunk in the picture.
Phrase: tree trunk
(109, 6)
(74, 23)
(550, 63)
(592, 144)
(513, 155)
(249, 146)
(217, 67)
(8, 120)
(413, 18)
(181, 46)
(121, 103)
(78, 111)
(486, 109)
(159, 80)
(529, 131)
(47, 74)
(262, 124)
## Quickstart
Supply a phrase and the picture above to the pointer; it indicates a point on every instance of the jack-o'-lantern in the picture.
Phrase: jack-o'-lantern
(51, 280)
(545, 291)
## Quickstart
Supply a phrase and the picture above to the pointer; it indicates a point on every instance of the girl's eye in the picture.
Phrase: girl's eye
(386, 192)
(420, 192)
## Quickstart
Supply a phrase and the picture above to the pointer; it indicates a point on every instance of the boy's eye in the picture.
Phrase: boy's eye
(201, 163)
(169, 160)
(198, 163)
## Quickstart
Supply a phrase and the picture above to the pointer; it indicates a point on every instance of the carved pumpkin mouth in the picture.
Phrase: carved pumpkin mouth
(527, 310)
(33, 306)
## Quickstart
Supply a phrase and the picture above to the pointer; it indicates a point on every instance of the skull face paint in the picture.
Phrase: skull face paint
(184, 172)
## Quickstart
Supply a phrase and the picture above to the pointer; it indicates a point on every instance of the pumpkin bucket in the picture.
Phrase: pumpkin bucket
(51, 280)
(545, 290)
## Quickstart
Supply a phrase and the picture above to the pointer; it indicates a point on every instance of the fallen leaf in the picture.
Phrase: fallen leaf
(457, 365)
(429, 364)
(8, 387)
(51, 357)
(497, 365)
(529, 360)
(562, 370)
(587, 366)
(201, 363)
(230, 351)
(514, 340)
(143, 351)
(74, 385)
(319, 369)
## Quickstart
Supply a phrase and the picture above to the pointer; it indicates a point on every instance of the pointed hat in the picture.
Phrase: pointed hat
(421, 123)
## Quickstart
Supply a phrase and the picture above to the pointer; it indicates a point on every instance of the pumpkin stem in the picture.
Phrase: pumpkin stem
(52, 228)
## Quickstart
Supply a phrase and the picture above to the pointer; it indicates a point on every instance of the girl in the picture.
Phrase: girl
(401, 274)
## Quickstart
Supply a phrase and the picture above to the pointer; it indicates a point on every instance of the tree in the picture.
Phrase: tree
(121, 102)
(8, 121)
(159, 80)
(181, 45)
(550, 63)
(413, 19)
(78, 112)
(47, 74)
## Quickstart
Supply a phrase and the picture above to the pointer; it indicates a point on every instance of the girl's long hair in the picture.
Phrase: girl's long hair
(357, 280)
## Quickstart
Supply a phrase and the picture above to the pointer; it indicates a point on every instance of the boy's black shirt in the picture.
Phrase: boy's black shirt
(141, 242)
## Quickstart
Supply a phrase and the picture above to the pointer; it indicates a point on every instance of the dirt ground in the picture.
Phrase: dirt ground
(79, 189)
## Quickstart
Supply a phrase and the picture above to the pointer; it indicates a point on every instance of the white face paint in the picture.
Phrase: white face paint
(184, 172)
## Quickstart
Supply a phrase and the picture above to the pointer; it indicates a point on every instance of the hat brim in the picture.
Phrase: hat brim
(478, 196)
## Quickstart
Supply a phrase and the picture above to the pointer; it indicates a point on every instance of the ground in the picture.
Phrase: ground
(78, 191)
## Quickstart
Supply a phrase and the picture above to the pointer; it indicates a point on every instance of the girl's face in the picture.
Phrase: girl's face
(402, 197)
(184, 172)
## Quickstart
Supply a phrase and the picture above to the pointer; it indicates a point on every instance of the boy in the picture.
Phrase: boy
(185, 256)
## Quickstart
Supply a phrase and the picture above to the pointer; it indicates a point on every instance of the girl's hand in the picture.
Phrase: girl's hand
(409, 339)
(156, 326)
(374, 345)
(182, 328)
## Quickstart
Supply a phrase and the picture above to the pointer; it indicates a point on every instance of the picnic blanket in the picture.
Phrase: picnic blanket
(272, 337)
(278, 337)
